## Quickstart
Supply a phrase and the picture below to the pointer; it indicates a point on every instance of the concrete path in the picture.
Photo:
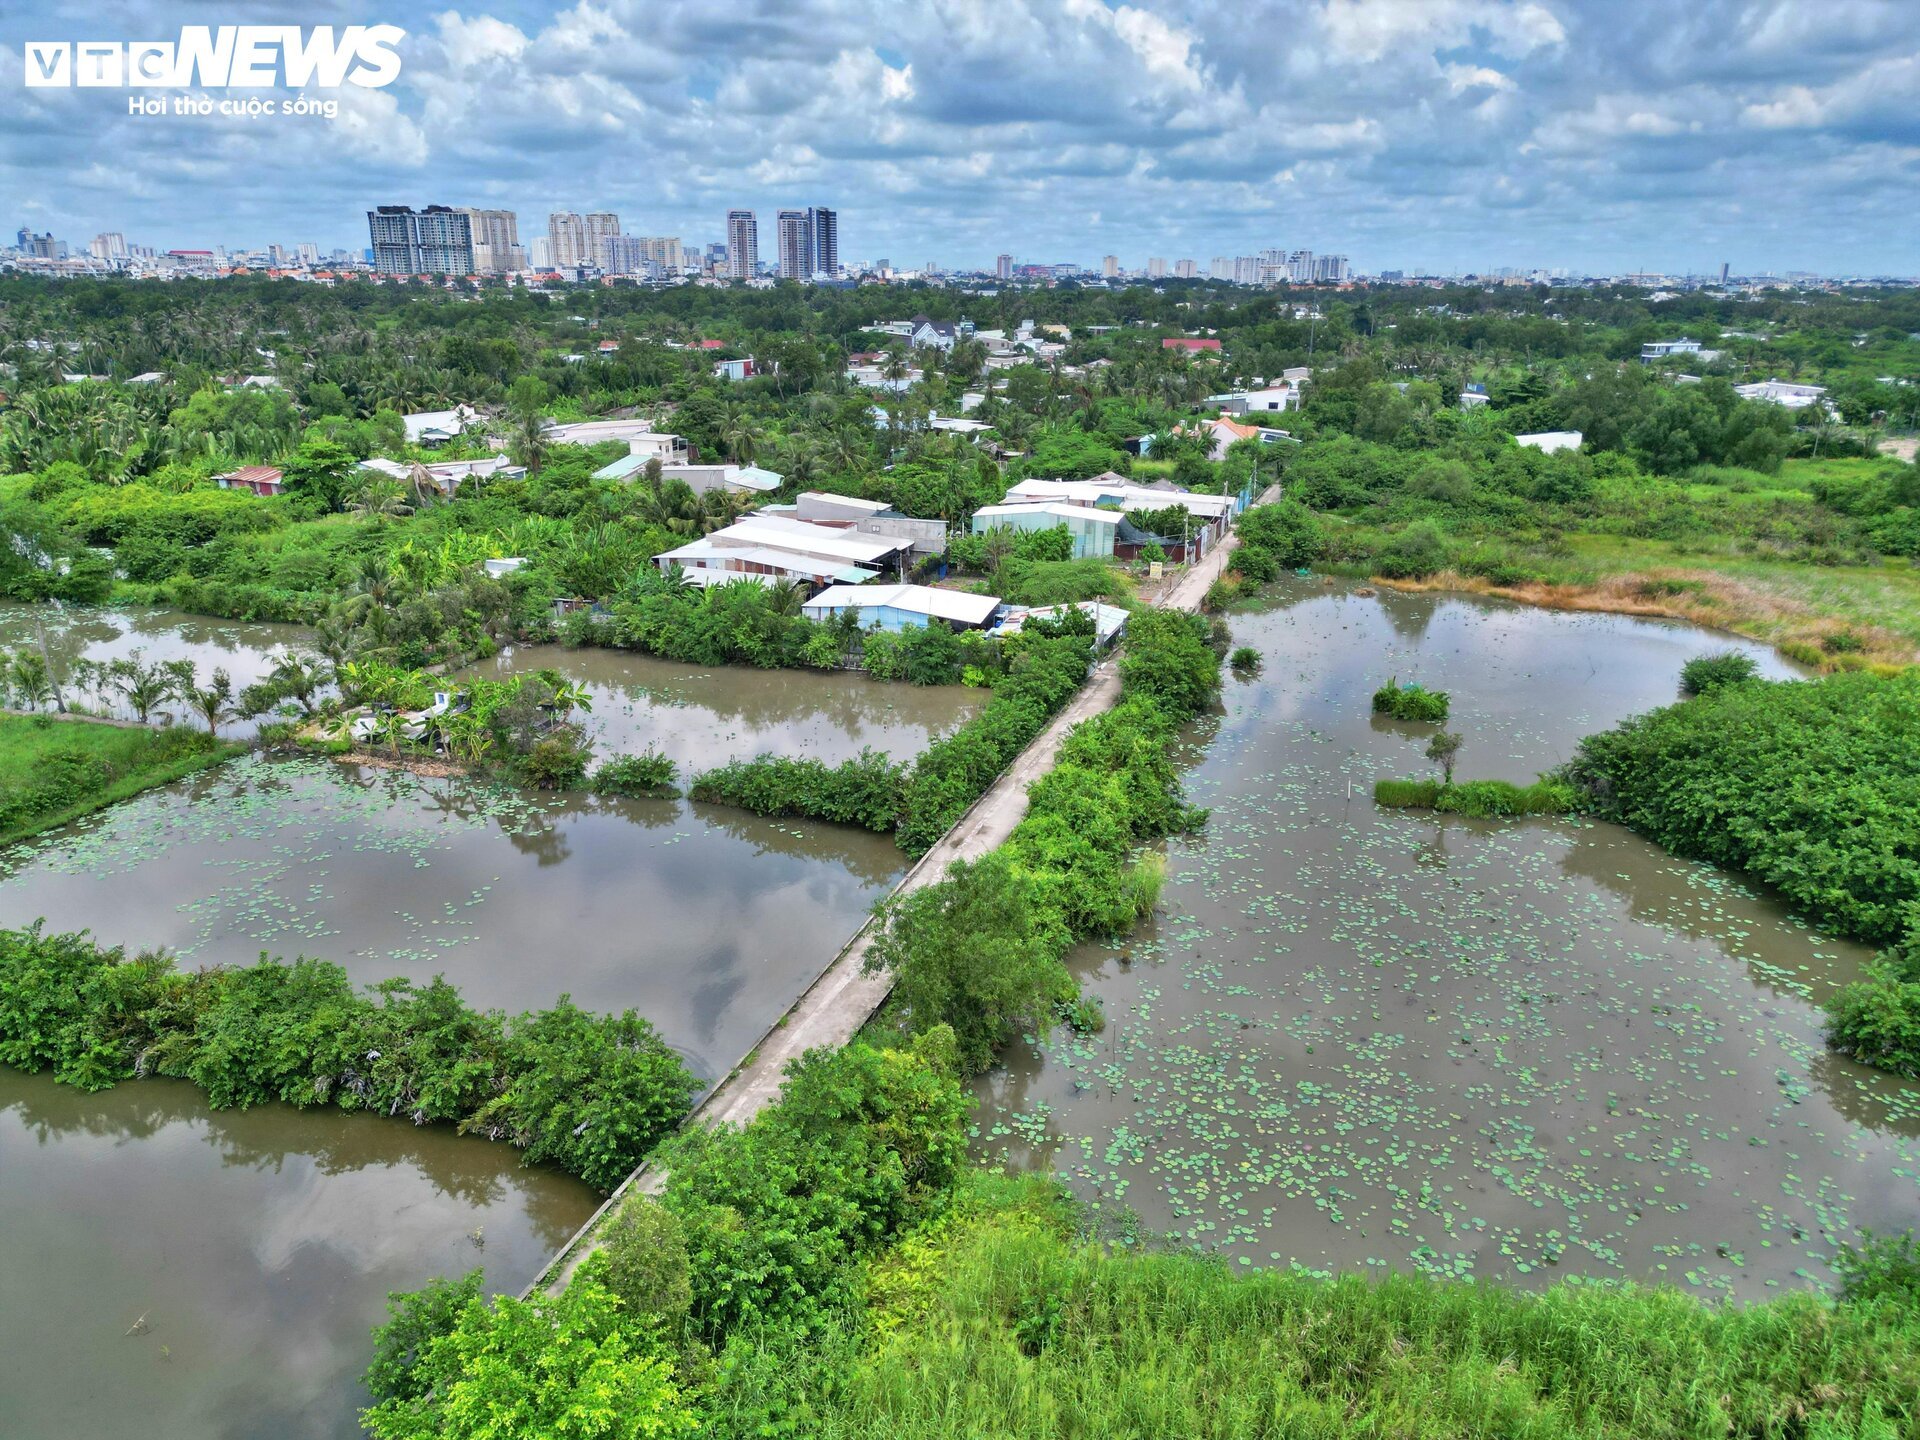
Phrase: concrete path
(830, 1012)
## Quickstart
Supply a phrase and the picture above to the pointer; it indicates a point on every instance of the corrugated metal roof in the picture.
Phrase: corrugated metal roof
(954, 605)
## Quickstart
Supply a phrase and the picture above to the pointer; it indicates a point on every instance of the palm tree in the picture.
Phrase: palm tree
(295, 678)
(785, 597)
(380, 499)
(145, 687)
(213, 702)
(741, 435)
(31, 682)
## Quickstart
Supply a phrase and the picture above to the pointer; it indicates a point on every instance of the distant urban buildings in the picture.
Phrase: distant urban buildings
(496, 241)
(435, 241)
(1110, 266)
(809, 243)
(577, 242)
(1184, 269)
(743, 245)
(1003, 267)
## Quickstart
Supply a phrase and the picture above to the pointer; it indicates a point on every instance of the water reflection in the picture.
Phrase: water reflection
(1357, 1037)
(705, 717)
(706, 920)
(174, 1271)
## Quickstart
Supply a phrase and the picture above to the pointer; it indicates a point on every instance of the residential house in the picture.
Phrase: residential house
(900, 607)
(446, 476)
(260, 479)
(1109, 621)
(436, 427)
(734, 369)
(1094, 532)
(1657, 350)
(1783, 393)
(928, 334)
(872, 517)
(773, 547)
(639, 436)
(1191, 344)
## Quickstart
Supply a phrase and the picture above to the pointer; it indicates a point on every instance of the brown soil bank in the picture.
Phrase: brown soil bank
(1706, 598)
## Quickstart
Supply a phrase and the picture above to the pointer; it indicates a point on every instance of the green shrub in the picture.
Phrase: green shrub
(1244, 660)
(866, 790)
(648, 773)
(590, 1094)
(1877, 1022)
(1484, 799)
(1410, 702)
(1881, 1267)
(415, 1319)
(1704, 672)
(643, 1252)
(556, 761)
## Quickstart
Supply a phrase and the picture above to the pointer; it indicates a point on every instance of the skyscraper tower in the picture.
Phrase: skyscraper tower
(825, 227)
(796, 244)
(743, 245)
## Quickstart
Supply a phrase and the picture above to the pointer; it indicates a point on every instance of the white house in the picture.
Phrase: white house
(638, 436)
(1783, 393)
(929, 334)
(778, 548)
(436, 427)
(898, 607)
(1093, 531)
(1664, 349)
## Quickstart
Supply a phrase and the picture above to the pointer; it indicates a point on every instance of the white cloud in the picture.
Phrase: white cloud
(474, 42)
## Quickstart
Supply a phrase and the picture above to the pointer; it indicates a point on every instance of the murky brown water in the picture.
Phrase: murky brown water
(705, 717)
(258, 1247)
(1515, 1050)
(246, 650)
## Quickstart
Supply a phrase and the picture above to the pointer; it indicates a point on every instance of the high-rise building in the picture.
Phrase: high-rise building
(623, 255)
(496, 241)
(796, 244)
(1330, 269)
(577, 241)
(1003, 267)
(826, 241)
(1246, 270)
(1723, 271)
(743, 245)
(1156, 268)
(1300, 267)
(1110, 266)
(540, 253)
(110, 247)
(435, 241)
(310, 256)
(1221, 268)
(1184, 269)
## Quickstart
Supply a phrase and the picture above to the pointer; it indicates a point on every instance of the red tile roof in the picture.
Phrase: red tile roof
(253, 474)
(1177, 343)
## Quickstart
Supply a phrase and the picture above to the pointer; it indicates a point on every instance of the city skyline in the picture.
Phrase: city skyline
(1443, 137)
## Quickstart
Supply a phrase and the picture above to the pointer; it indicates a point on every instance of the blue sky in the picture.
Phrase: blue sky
(1597, 135)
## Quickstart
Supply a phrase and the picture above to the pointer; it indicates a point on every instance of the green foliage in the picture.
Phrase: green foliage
(1002, 1307)
(1168, 662)
(50, 775)
(590, 1094)
(566, 1366)
(1287, 533)
(1877, 1022)
(1881, 1267)
(1809, 785)
(868, 790)
(1054, 544)
(415, 1319)
(862, 1142)
(1481, 798)
(976, 952)
(1705, 672)
(1411, 702)
(1245, 660)
(648, 773)
(643, 1261)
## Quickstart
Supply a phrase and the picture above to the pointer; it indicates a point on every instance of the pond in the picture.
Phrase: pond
(1520, 1051)
(171, 1271)
(260, 1245)
(705, 717)
(246, 650)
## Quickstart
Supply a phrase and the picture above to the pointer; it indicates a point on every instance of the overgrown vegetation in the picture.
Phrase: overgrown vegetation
(1484, 799)
(53, 771)
(868, 790)
(1704, 672)
(1411, 702)
(590, 1094)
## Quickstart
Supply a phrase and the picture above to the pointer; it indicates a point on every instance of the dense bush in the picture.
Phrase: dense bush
(590, 1094)
(76, 767)
(1288, 534)
(867, 790)
(570, 1364)
(1812, 786)
(1877, 1022)
(1411, 702)
(861, 1142)
(1704, 672)
(648, 773)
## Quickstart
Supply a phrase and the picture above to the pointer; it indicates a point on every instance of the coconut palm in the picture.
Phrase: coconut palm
(144, 686)
(213, 702)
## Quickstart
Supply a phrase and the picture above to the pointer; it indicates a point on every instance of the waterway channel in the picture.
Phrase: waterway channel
(1518, 1050)
(259, 1246)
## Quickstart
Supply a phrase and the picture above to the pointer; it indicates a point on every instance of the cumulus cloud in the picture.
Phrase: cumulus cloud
(1448, 132)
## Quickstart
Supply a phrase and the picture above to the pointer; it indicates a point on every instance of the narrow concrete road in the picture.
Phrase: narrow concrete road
(830, 1012)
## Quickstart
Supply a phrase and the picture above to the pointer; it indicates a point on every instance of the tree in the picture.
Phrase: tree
(527, 442)
(563, 1367)
(1443, 749)
(975, 952)
(320, 468)
(212, 702)
(144, 686)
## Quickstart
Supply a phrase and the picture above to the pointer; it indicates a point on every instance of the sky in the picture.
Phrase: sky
(1449, 136)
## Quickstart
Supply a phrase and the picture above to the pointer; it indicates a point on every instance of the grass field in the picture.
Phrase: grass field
(53, 771)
